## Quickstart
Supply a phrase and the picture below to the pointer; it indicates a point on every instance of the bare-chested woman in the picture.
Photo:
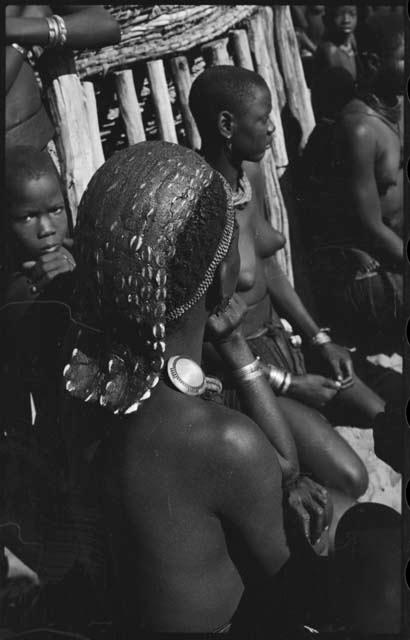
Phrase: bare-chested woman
(232, 108)
(192, 489)
(355, 200)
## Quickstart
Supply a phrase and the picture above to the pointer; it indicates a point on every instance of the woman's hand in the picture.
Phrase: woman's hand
(49, 265)
(309, 507)
(339, 360)
(225, 322)
(313, 390)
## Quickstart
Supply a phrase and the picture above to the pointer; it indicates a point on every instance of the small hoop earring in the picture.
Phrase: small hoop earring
(229, 147)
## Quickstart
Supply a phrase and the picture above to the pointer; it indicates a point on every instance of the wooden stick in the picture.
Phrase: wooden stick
(277, 211)
(129, 106)
(90, 105)
(66, 101)
(296, 89)
(264, 68)
(216, 52)
(267, 21)
(162, 103)
(183, 80)
(242, 52)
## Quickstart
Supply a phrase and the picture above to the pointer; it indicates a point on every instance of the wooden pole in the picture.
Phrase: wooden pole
(66, 100)
(241, 50)
(162, 103)
(297, 91)
(277, 212)
(183, 81)
(90, 105)
(129, 106)
(267, 21)
(264, 68)
(216, 52)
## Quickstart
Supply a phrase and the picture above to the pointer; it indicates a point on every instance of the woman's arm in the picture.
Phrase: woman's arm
(306, 499)
(87, 26)
(260, 404)
(287, 302)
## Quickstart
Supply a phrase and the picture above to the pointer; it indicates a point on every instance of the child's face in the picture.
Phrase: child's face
(345, 19)
(38, 215)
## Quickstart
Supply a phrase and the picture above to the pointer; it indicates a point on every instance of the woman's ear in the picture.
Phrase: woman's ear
(225, 123)
(372, 62)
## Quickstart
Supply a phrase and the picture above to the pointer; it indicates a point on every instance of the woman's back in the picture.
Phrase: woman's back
(168, 472)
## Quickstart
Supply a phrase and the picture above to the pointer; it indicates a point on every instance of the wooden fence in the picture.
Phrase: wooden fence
(161, 40)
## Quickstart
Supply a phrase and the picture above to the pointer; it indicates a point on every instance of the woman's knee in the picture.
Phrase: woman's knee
(354, 478)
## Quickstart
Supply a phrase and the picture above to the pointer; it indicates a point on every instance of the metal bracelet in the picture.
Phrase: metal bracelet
(276, 377)
(322, 337)
(53, 31)
(252, 375)
(248, 370)
(62, 30)
(286, 384)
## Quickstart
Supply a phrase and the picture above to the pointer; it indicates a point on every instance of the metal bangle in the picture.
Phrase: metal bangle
(276, 377)
(322, 337)
(53, 31)
(248, 372)
(252, 375)
(286, 384)
(62, 30)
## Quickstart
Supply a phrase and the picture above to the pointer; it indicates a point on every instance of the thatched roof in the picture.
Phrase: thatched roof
(150, 32)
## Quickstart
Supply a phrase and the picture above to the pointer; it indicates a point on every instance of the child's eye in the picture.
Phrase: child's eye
(57, 211)
(27, 218)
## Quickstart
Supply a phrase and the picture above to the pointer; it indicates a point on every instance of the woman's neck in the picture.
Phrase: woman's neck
(219, 160)
(385, 94)
(188, 339)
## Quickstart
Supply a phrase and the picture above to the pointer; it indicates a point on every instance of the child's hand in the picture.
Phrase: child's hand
(49, 265)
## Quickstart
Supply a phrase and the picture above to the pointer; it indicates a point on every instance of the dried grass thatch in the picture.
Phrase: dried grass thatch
(150, 32)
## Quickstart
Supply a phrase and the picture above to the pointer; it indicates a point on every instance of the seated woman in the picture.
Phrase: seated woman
(232, 107)
(192, 490)
(27, 26)
(354, 197)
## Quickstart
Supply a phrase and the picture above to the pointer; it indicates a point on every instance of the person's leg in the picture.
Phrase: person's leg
(322, 451)
(357, 406)
(387, 383)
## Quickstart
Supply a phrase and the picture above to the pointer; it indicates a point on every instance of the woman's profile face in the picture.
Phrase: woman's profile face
(253, 129)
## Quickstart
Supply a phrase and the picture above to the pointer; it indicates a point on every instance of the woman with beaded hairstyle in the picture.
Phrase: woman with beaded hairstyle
(192, 490)
(232, 107)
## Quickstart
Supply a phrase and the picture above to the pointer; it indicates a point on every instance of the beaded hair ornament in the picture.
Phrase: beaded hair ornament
(130, 218)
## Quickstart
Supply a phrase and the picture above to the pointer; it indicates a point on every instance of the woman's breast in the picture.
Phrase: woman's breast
(258, 240)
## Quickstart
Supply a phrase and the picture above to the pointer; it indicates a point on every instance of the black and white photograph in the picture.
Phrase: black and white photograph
(203, 322)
